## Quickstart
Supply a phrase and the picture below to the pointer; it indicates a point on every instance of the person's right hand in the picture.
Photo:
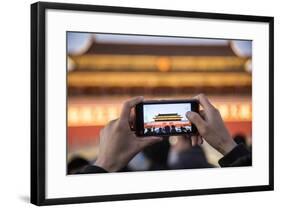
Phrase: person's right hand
(118, 143)
(211, 127)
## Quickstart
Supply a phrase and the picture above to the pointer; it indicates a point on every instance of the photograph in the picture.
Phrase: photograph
(105, 70)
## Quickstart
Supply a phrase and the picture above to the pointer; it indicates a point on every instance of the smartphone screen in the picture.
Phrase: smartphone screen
(165, 118)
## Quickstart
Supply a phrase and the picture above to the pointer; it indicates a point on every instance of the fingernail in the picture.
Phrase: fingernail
(188, 113)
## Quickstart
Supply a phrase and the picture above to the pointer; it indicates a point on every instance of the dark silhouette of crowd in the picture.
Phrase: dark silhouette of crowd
(167, 130)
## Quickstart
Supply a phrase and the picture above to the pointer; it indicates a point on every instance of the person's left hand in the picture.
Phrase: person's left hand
(118, 143)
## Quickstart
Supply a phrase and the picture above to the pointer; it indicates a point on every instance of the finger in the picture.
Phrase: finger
(146, 141)
(132, 120)
(204, 101)
(182, 140)
(127, 106)
(186, 136)
(196, 119)
(199, 140)
(194, 140)
(202, 114)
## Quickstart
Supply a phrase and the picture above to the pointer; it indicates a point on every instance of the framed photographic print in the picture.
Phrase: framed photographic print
(203, 84)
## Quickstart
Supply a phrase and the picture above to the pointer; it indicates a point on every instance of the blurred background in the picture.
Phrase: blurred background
(106, 69)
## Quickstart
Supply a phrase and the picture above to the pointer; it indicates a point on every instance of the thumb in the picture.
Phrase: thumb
(146, 141)
(197, 120)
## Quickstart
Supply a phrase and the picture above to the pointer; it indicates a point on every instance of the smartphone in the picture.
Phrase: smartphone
(164, 117)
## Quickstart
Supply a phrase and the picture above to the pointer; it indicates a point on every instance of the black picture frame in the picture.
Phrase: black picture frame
(38, 102)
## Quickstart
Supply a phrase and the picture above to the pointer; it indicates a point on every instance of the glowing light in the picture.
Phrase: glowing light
(173, 140)
(248, 66)
(86, 114)
(73, 116)
(70, 64)
(245, 111)
(163, 64)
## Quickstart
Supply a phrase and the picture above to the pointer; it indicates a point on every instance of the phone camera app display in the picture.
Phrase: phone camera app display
(162, 119)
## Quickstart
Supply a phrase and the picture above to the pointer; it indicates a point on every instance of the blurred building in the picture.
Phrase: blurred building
(107, 73)
(167, 117)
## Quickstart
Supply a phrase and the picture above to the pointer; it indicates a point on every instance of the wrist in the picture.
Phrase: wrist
(226, 146)
(104, 164)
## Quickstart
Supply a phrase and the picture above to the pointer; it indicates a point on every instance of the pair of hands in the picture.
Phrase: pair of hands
(118, 144)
